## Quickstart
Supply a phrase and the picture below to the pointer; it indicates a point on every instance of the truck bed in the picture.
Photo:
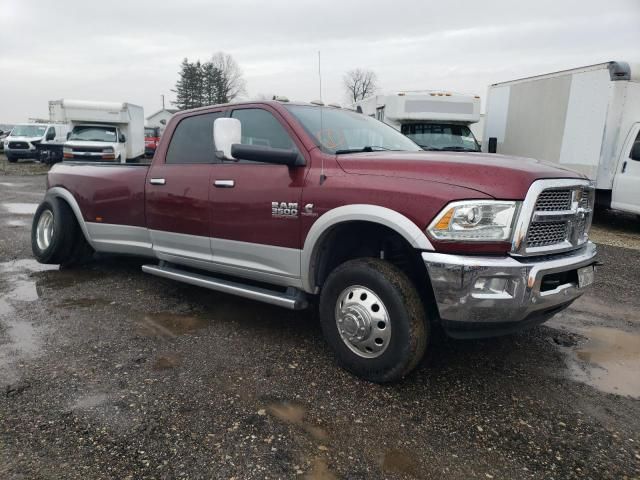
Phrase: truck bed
(108, 193)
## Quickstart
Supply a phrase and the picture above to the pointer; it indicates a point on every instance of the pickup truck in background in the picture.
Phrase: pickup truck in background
(299, 205)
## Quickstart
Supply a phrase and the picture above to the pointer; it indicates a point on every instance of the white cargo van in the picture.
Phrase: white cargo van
(585, 119)
(434, 120)
(23, 138)
(101, 131)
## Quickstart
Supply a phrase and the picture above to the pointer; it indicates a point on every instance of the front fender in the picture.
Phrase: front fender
(349, 213)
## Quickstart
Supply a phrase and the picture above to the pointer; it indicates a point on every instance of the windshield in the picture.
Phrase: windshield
(28, 131)
(441, 136)
(93, 134)
(150, 132)
(343, 131)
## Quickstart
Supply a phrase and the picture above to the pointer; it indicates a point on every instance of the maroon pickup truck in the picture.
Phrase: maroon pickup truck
(298, 204)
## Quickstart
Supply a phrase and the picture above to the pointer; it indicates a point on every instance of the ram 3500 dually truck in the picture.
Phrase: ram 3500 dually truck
(298, 204)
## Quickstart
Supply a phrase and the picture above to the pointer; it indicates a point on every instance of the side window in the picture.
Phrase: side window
(260, 127)
(635, 149)
(192, 140)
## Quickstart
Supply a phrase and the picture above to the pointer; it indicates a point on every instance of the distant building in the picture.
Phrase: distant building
(161, 118)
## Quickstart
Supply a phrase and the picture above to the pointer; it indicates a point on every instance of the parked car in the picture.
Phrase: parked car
(297, 205)
(4, 133)
(22, 141)
(151, 139)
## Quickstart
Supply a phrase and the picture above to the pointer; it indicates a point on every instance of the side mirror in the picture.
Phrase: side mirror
(50, 136)
(226, 132)
(122, 138)
(635, 151)
(68, 135)
(258, 153)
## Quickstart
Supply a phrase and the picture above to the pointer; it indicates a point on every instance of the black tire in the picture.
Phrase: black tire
(11, 159)
(410, 329)
(66, 242)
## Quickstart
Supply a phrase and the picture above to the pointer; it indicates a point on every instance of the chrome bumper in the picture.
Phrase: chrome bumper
(512, 287)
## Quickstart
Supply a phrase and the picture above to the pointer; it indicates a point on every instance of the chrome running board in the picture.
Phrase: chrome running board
(292, 299)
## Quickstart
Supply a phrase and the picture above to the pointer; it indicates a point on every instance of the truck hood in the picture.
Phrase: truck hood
(84, 143)
(500, 176)
(22, 139)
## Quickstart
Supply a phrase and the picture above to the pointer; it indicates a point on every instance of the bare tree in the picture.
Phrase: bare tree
(359, 84)
(230, 83)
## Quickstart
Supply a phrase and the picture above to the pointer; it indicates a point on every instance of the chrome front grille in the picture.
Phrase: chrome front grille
(556, 216)
(554, 200)
(545, 234)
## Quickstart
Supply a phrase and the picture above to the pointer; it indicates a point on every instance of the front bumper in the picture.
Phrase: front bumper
(21, 152)
(520, 299)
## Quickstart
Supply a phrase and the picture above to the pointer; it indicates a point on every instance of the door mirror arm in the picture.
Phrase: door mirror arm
(276, 156)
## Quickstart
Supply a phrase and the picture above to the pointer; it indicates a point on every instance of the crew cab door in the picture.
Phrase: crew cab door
(626, 184)
(250, 237)
(177, 192)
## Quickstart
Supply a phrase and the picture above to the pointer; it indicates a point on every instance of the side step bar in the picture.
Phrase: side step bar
(292, 299)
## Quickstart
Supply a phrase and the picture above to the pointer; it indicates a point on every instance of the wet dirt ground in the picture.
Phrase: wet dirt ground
(106, 372)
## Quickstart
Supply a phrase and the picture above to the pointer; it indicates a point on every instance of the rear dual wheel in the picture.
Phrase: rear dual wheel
(56, 237)
(373, 318)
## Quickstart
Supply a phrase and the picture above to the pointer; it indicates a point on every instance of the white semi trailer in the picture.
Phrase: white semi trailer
(434, 120)
(100, 131)
(585, 119)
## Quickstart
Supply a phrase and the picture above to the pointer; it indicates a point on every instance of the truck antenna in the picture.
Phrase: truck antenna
(323, 177)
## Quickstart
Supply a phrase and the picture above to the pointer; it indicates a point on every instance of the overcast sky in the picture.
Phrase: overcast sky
(131, 50)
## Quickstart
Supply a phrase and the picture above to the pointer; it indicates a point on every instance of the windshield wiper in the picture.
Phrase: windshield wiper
(368, 148)
(455, 148)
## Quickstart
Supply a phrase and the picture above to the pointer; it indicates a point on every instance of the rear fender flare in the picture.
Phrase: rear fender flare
(67, 196)
(350, 213)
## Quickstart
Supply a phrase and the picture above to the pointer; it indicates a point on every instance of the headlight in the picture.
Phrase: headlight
(475, 220)
(107, 150)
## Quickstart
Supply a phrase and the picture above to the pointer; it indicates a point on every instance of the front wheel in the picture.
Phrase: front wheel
(11, 158)
(373, 318)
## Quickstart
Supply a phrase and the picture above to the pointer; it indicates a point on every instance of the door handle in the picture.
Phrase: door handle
(157, 181)
(624, 166)
(224, 183)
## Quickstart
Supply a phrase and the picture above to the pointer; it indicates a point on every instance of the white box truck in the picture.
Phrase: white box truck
(101, 131)
(585, 119)
(434, 120)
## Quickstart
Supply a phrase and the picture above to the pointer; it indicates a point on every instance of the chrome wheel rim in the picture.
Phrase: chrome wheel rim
(44, 230)
(363, 321)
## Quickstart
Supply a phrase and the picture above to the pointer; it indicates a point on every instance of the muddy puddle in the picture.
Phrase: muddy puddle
(21, 339)
(609, 360)
(169, 325)
(20, 208)
(16, 223)
(400, 461)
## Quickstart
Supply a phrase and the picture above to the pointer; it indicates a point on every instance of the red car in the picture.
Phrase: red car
(151, 140)
(300, 205)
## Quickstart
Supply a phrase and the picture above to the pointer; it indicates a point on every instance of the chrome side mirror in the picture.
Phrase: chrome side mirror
(226, 132)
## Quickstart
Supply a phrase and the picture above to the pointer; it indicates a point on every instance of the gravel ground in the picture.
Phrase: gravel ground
(109, 373)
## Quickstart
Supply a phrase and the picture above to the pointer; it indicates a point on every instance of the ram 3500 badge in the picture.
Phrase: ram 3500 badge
(391, 241)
